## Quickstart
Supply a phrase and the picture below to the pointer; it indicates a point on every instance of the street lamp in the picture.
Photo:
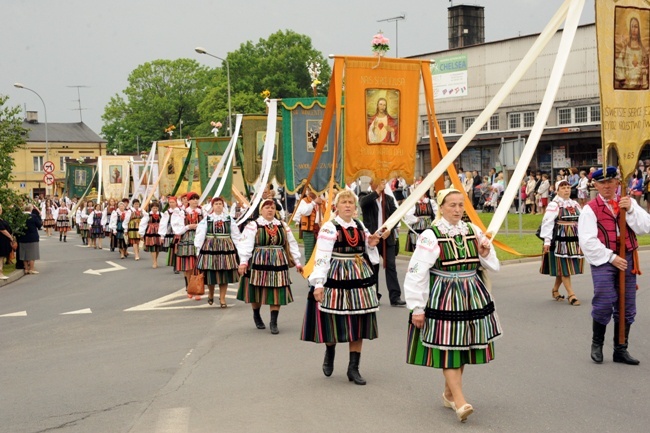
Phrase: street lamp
(202, 50)
(47, 144)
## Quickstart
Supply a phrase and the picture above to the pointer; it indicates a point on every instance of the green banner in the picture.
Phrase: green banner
(254, 134)
(210, 151)
(78, 179)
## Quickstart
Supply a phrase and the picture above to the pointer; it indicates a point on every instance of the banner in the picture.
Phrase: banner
(174, 168)
(115, 176)
(78, 177)
(302, 120)
(254, 136)
(381, 117)
(623, 36)
(210, 151)
(148, 179)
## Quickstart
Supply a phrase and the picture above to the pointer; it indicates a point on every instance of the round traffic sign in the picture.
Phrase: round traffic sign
(48, 167)
(48, 179)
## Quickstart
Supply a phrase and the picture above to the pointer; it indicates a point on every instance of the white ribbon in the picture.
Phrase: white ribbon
(148, 163)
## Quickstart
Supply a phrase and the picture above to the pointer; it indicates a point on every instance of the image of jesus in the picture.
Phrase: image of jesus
(382, 127)
(631, 63)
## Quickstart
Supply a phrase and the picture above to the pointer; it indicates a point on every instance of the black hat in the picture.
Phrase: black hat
(604, 173)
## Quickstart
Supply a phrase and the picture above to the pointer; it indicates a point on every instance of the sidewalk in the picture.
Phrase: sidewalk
(15, 275)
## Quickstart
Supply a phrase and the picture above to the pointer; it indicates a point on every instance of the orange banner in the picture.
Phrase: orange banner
(381, 117)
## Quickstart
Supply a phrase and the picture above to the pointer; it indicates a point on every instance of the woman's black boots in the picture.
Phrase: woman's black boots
(328, 362)
(353, 369)
(259, 323)
(274, 322)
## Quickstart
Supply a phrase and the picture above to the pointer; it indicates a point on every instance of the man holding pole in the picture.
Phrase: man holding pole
(600, 240)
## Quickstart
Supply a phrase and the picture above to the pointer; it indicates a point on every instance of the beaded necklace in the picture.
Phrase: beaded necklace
(352, 240)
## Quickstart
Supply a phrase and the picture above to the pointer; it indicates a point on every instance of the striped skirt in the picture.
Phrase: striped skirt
(133, 235)
(267, 280)
(63, 224)
(218, 258)
(186, 252)
(49, 222)
(152, 240)
(459, 317)
(96, 231)
(350, 287)
(561, 266)
(321, 327)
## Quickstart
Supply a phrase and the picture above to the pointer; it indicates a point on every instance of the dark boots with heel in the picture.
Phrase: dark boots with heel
(259, 323)
(353, 369)
(274, 322)
(328, 362)
(597, 340)
(620, 350)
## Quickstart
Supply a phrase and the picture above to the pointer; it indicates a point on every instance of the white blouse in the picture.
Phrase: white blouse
(247, 240)
(552, 211)
(178, 219)
(202, 229)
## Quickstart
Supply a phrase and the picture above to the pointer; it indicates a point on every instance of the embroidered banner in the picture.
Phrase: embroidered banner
(302, 119)
(115, 176)
(381, 117)
(254, 136)
(210, 150)
(77, 179)
(171, 173)
(148, 179)
(623, 35)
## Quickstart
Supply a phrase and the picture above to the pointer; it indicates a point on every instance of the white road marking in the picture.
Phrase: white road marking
(84, 311)
(175, 301)
(115, 267)
(174, 420)
(17, 314)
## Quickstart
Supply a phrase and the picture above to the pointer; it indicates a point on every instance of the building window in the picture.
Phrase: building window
(529, 119)
(447, 126)
(581, 114)
(524, 119)
(578, 115)
(425, 129)
(62, 160)
(594, 112)
(564, 116)
(38, 163)
(494, 122)
(467, 122)
(514, 120)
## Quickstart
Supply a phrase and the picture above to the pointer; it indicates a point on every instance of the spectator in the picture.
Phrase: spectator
(28, 242)
(6, 238)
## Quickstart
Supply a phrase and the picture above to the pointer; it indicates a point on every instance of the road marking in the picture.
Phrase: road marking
(84, 311)
(18, 314)
(174, 420)
(115, 267)
(179, 301)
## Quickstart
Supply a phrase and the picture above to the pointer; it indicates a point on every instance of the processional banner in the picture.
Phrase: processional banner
(148, 180)
(115, 176)
(623, 35)
(381, 117)
(210, 151)
(302, 119)
(78, 177)
(254, 135)
(173, 174)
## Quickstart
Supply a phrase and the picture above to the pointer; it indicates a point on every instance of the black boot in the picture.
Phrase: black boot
(597, 340)
(60, 236)
(258, 319)
(328, 362)
(64, 239)
(353, 369)
(620, 350)
(274, 322)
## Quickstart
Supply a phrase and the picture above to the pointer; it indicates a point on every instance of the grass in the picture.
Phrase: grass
(8, 269)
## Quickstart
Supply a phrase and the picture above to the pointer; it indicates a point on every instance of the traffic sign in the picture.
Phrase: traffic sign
(48, 167)
(48, 179)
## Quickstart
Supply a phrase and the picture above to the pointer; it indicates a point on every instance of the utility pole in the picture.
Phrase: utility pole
(397, 19)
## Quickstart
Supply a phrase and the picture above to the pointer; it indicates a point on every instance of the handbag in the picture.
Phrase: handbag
(14, 245)
(196, 285)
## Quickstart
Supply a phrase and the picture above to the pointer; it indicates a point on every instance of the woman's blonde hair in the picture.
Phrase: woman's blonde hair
(346, 193)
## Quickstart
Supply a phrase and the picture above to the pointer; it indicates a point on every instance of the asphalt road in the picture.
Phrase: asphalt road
(126, 351)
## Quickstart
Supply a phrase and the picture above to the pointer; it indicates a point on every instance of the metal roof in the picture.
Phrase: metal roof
(61, 132)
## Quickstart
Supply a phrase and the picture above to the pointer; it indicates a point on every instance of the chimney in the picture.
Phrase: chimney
(466, 25)
(32, 117)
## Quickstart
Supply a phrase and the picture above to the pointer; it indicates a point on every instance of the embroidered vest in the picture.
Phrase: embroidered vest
(424, 209)
(308, 222)
(606, 224)
(218, 227)
(457, 253)
(341, 245)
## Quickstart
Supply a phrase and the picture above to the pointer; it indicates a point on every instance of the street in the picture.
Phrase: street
(124, 350)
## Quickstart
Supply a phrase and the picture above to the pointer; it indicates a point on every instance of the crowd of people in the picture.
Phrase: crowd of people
(453, 320)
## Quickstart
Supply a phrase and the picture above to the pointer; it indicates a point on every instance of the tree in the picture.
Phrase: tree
(160, 93)
(278, 64)
(12, 136)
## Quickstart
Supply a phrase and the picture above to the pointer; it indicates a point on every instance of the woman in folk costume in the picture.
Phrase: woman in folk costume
(265, 248)
(63, 221)
(215, 242)
(48, 211)
(110, 207)
(419, 219)
(148, 230)
(184, 224)
(118, 225)
(96, 226)
(453, 320)
(562, 255)
(342, 302)
(169, 239)
(86, 222)
(134, 227)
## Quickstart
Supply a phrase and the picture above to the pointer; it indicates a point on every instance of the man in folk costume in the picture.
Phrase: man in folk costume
(309, 217)
(599, 241)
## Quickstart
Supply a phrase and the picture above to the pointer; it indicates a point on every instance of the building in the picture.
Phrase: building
(467, 78)
(65, 141)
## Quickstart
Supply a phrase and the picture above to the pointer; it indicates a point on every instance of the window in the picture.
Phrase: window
(447, 126)
(494, 122)
(467, 122)
(491, 125)
(425, 128)
(38, 163)
(62, 161)
(578, 115)
(594, 112)
(525, 119)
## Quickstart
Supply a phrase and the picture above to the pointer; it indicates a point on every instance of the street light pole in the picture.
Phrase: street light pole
(397, 19)
(202, 50)
(47, 144)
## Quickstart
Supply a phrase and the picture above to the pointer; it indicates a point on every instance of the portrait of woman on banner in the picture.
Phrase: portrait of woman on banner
(261, 139)
(382, 113)
(116, 173)
(631, 53)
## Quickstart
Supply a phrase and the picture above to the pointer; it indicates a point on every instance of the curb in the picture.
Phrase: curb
(14, 276)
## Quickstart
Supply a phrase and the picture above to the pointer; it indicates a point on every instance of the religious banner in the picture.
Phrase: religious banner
(302, 119)
(623, 36)
(254, 136)
(78, 177)
(381, 117)
(170, 174)
(115, 176)
(210, 150)
(148, 179)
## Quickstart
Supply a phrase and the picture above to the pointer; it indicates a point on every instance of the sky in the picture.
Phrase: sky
(52, 46)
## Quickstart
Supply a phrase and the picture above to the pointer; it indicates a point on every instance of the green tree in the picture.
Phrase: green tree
(12, 137)
(277, 64)
(159, 94)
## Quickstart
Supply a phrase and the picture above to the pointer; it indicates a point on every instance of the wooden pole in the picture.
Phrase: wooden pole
(622, 228)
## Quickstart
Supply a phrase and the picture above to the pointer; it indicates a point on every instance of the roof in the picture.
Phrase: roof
(61, 132)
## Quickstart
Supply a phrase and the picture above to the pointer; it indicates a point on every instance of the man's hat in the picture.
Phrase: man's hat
(604, 173)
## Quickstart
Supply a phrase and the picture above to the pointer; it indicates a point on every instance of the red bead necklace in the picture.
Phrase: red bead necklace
(271, 230)
(352, 240)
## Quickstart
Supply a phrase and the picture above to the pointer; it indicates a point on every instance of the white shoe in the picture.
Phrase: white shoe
(33, 272)
(4, 277)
